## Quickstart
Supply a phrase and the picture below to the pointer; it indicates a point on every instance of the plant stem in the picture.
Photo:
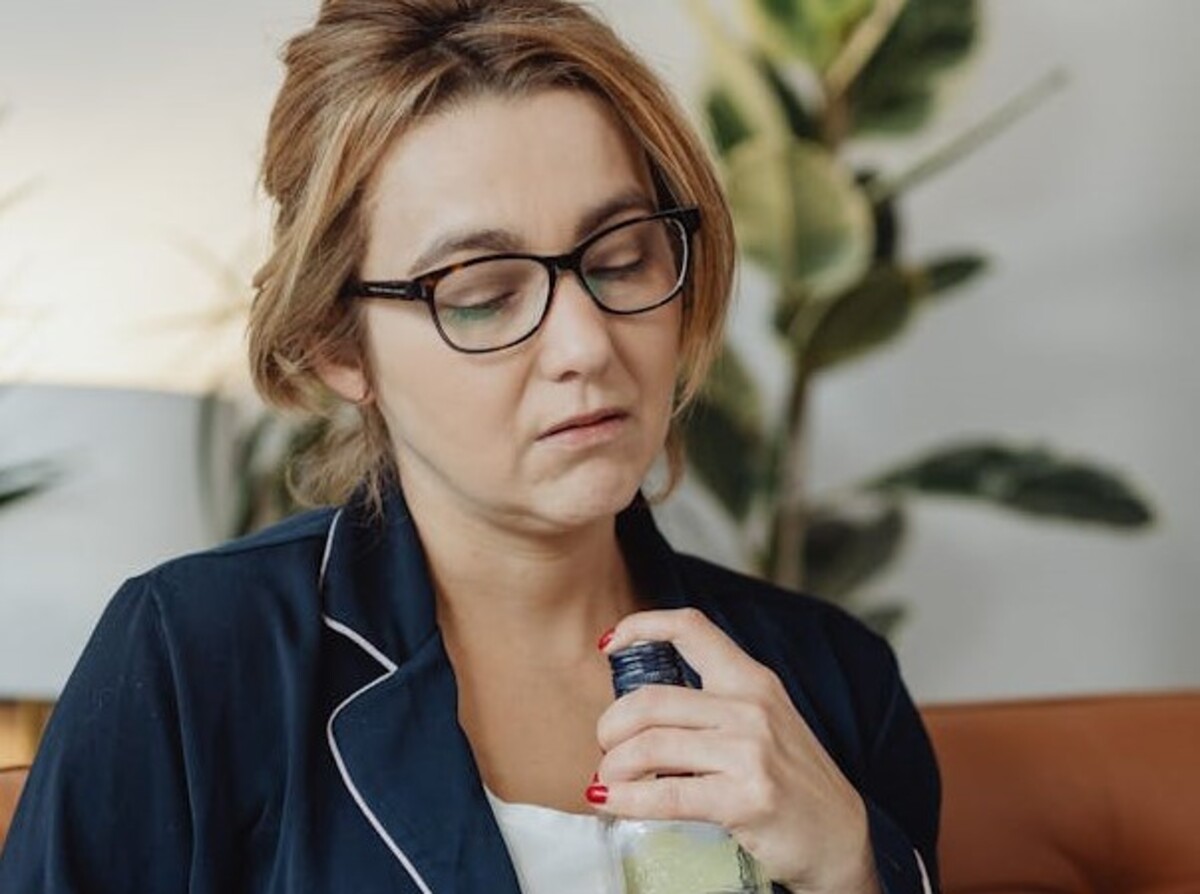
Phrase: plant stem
(967, 142)
(788, 530)
(834, 122)
(861, 46)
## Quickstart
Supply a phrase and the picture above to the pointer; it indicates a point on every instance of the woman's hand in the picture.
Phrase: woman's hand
(752, 764)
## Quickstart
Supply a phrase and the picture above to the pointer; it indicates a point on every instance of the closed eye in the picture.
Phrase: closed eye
(481, 309)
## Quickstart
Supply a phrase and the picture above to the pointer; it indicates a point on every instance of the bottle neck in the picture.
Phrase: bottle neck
(644, 664)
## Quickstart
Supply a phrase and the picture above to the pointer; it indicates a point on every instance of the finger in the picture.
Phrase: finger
(721, 664)
(677, 707)
(666, 798)
(663, 751)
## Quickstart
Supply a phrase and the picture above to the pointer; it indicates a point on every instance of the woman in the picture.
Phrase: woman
(500, 242)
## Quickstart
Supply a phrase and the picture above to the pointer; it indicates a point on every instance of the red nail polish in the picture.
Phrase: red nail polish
(597, 794)
(606, 638)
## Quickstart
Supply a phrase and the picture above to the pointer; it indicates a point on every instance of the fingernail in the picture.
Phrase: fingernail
(596, 794)
(606, 638)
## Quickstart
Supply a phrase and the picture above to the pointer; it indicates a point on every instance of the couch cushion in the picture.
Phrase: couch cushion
(1083, 794)
(12, 780)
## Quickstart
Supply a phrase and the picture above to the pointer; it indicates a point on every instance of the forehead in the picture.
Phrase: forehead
(531, 165)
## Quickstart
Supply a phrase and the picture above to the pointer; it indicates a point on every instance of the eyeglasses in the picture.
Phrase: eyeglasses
(496, 301)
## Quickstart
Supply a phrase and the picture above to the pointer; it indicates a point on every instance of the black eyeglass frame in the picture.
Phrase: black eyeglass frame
(421, 288)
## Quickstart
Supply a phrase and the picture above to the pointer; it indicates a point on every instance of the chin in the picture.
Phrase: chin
(581, 499)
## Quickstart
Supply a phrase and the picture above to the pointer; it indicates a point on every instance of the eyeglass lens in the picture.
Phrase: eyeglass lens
(498, 302)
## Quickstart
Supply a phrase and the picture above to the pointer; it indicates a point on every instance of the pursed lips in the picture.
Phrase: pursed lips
(584, 420)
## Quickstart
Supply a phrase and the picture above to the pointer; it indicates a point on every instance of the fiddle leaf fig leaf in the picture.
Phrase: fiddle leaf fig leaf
(885, 618)
(791, 313)
(801, 121)
(744, 93)
(886, 219)
(723, 435)
(810, 30)
(1031, 480)
(728, 124)
(23, 480)
(759, 188)
(953, 271)
(725, 122)
(878, 308)
(897, 89)
(800, 213)
(901, 110)
(850, 543)
(864, 317)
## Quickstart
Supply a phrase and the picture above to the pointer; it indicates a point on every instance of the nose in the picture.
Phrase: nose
(575, 338)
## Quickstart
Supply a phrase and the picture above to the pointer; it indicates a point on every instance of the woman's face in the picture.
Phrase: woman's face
(471, 431)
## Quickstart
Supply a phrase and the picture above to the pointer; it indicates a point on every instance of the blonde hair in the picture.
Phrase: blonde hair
(355, 80)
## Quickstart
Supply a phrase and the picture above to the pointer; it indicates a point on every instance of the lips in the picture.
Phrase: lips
(584, 420)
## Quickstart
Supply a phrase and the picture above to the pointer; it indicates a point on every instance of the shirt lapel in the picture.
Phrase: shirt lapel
(395, 738)
(394, 734)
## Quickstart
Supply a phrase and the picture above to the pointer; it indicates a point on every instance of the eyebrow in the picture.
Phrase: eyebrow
(502, 241)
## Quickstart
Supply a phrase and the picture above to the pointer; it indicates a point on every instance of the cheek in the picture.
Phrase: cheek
(665, 358)
(433, 401)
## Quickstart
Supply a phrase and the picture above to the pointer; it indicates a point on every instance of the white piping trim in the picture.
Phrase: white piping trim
(390, 668)
(925, 885)
(359, 640)
(328, 549)
(358, 798)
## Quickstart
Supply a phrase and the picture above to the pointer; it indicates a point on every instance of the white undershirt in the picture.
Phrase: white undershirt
(555, 852)
(567, 853)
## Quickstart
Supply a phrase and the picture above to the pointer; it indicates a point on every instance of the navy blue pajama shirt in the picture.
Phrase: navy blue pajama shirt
(279, 715)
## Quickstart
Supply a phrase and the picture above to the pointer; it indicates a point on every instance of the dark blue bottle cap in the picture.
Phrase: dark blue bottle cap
(646, 663)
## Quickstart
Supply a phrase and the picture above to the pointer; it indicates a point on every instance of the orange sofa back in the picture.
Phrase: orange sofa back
(1094, 794)
(1057, 796)
(11, 781)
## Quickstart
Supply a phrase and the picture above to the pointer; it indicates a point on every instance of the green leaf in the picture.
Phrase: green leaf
(850, 543)
(878, 308)
(885, 618)
(264, 459)
(800, 213)
(24, 480)
(1034, 481)
(810, 30)
(951, 272)
(885, 217)
(744, 90)
(896, 90)
(729, 126)
(901, 110)
(723, 435)
(800, 121)
(789, 314)
(870, 314)
(249, 451)
(725, 123)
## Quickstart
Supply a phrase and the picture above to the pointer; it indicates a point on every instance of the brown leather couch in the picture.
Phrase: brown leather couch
(11, 781)
(1058, 796)
(1097, 794)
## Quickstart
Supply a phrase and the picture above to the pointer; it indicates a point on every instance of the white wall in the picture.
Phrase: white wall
(144, 120)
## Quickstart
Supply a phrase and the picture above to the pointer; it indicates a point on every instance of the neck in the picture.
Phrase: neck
(501, 588)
